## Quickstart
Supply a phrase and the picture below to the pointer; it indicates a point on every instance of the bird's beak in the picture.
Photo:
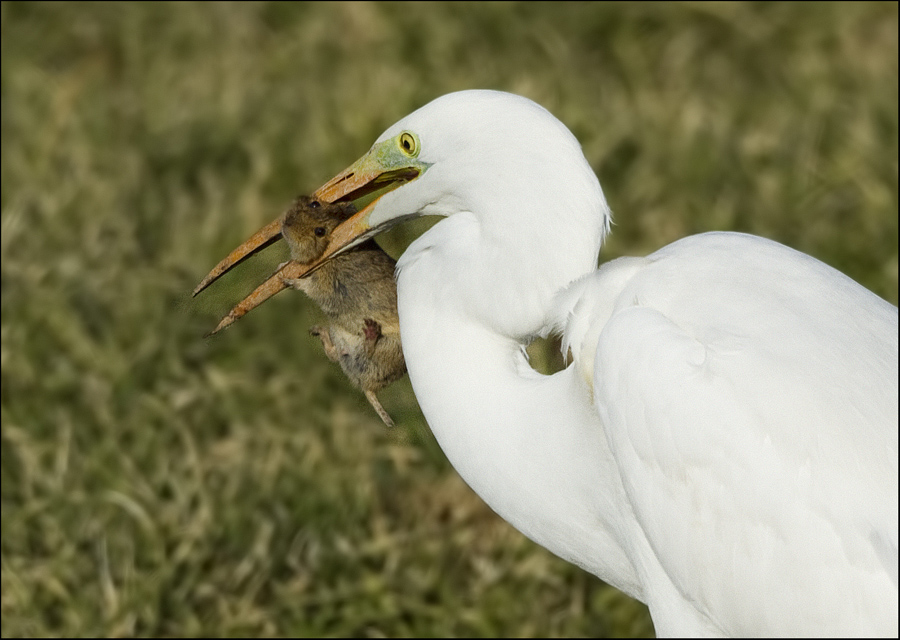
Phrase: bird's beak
(379, 171)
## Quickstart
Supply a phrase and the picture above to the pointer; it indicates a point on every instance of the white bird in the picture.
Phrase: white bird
(723, 446)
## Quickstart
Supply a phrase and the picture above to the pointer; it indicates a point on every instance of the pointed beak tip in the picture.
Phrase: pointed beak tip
(225, 322)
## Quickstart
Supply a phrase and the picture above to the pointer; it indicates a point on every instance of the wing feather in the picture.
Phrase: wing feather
(753, 415)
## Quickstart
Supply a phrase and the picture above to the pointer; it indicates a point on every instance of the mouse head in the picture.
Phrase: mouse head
(308, 224)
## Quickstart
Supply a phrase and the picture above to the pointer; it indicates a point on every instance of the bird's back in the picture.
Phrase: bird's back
(749, 395)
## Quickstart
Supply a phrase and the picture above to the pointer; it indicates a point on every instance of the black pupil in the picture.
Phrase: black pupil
(406, 145)
(319, 231)
(314, 204)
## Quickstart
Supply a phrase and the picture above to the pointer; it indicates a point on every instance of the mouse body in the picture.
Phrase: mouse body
(356, 291)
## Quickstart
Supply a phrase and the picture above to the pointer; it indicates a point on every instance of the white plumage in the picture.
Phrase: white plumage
(723, 446)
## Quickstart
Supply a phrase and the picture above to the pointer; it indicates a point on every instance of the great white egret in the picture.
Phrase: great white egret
(723, 446)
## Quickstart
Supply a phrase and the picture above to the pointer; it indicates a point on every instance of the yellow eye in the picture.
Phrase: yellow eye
(409, 144)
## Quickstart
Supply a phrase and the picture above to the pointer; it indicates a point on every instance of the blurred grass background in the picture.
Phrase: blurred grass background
(156, 483)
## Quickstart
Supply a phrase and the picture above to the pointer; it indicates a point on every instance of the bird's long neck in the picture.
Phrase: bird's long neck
(529, 445)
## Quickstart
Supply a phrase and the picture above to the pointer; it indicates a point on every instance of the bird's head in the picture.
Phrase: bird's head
(504, 161)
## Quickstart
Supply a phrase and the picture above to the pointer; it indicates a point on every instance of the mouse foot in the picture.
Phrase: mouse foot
(372, 330)
(323, 334)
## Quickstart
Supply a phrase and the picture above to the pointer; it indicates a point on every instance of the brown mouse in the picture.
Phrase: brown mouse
(357, 292)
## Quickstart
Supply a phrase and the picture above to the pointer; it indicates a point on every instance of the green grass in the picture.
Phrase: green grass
(156, 483)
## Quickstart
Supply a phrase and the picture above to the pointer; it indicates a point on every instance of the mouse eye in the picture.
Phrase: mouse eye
(319, 231)
(314, 205)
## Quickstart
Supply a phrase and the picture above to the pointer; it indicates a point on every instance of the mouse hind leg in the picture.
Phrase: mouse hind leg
(324, 335)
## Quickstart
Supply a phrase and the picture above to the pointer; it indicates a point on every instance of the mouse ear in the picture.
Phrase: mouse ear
(291, 215)
(345, 210)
